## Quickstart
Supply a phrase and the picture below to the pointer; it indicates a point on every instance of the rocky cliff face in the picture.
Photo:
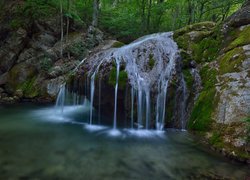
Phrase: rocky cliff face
(31, 66)
(222, 109)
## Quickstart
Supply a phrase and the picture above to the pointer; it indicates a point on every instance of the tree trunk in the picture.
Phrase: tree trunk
(61, 13)
(95, 13)
(143, 19)
(149, 15)
(67, 30)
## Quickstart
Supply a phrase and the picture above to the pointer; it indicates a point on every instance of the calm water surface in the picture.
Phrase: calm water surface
(38, 143)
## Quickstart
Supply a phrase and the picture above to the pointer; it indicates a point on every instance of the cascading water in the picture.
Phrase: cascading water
(60, 99)
(116, 90)
(149, 83)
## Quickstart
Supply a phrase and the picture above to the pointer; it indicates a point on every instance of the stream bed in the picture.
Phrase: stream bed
(36, 142)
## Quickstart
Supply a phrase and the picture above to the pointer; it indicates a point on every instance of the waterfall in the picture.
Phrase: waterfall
(132, 108)
(150, 64)
(92, 91)
(147, 109)
(116, 90)
(136, 56)
(60, 99)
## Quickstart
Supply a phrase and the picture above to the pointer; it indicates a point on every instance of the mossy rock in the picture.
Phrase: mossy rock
(202, 26)
(216, 140)
(122, 79)
(19, 74)
(183, 41)
(30, 88)
(197, 36)
(117, 44)
(201, 116)
(206, 50)
(241, 38)
(151, 61)
(231, 61)
(188, 78)
(200, 42)
(77, 49)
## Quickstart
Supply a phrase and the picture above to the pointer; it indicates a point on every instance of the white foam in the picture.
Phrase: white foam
(143, 133)
(114, 133)
(56, 115)
(94, 128)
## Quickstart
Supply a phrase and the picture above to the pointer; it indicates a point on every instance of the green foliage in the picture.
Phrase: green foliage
(216, 140)
(32, 10)
(231, 61)
(247, 120)
(78, 50)
(29, 88)
(128, 19)
(188, 78)
(201, 116)
(151, 61)
(121, 21)
(242, 38)
(117, 44)
(122, 79)
(46, 63)
(206, 50)
(208, 77)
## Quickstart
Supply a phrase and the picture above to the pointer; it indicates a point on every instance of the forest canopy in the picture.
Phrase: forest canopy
(127, 19)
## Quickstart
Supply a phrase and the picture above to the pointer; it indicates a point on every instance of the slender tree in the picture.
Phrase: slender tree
(67, 30)
(61, 14)
(96, 4)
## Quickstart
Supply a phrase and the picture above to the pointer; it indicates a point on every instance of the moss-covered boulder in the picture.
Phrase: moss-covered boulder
(221, 110)
(23, 76)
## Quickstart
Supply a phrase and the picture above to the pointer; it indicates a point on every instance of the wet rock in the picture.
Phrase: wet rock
(54, 85)
(19, 93)
(8, 100)
(94, 37)
(1, 90)
(3, 78)
(26, 54)
(239, 18)
(11, 49)
(20, 74)
(239, 142)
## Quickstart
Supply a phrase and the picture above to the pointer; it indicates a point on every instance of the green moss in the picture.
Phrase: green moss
(29, 88)
(46, 63)
(242, 38)
(208, 77)
(206, 50)
(188, 78)
(216, 140)
(122, 79)
(183, 41)
(151, 61)
(186, 59)
(195, 27)
(171, 103)
(231, 61)
(201, 116)
(77, 49)
(117, 44)
(247, 120)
